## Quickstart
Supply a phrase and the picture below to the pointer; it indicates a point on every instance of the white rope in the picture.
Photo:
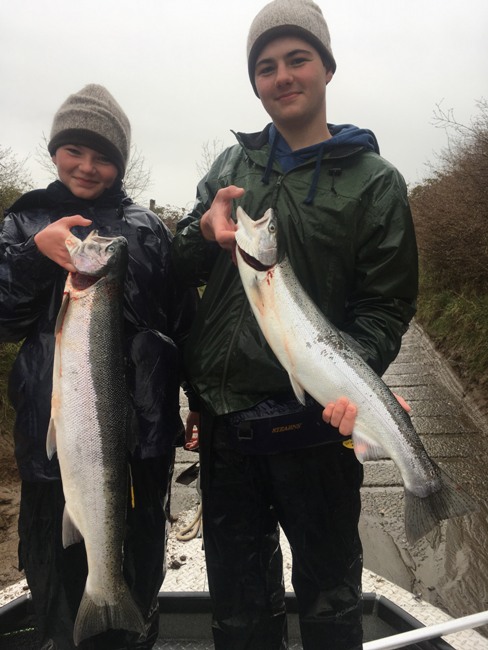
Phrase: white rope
(192, 530)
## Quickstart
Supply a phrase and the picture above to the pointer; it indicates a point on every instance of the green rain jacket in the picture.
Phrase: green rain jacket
(350, 241)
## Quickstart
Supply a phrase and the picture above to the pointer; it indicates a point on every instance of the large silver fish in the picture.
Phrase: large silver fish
(89, 428)
(320, 362)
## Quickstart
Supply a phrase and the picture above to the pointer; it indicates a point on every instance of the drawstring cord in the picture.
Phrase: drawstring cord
(316, 174)
(269, 164)
(334, 172)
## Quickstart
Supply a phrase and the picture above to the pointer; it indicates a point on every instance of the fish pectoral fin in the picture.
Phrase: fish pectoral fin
(71, 533)
(366, 449)
(51, 439)
(61, 314)
(297, 389)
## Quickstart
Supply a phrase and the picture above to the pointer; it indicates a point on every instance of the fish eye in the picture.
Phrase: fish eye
(110, 248)
(272, 227)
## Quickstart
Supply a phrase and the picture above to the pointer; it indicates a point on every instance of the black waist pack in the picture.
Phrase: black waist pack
(280, 425)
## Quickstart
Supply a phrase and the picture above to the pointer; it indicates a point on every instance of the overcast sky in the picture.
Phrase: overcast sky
(179, 70)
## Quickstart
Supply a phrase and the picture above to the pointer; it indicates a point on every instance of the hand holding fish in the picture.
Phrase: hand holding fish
(342, 414)
(217, 224)
(51, 240)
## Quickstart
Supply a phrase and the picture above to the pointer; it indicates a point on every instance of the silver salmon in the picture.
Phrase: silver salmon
(320, 362)
(89, 429)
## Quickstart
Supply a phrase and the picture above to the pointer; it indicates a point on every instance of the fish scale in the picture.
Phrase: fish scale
(320, 361)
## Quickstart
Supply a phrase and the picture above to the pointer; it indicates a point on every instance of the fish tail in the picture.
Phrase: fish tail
(95, 618)
(422, 514)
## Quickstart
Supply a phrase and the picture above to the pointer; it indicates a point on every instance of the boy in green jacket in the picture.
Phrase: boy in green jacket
(345, 224)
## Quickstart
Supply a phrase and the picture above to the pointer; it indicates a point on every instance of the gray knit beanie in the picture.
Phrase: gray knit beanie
(92, 118)
(302, 18)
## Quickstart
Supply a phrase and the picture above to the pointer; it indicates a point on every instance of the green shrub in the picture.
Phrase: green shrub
(457, 321)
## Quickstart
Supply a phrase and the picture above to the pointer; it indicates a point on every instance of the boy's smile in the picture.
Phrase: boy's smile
(85, 172)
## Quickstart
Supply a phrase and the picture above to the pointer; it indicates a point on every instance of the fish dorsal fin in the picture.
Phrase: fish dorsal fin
(71, 533)
(51, 439)
(297, 389)
(366, 449)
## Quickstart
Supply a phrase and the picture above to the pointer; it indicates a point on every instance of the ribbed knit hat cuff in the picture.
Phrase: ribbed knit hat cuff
(89, 139)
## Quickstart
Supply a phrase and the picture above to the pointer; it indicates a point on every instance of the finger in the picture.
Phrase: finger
(403, 403)
(339, 409)
(346, 426)
(229, 193)
(227, 238)
(75, 220)
(327, 412)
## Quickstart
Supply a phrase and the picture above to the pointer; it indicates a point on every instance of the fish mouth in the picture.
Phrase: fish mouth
(82, 281)
(253, 262)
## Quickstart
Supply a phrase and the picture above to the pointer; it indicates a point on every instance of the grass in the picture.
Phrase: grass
(457, 322)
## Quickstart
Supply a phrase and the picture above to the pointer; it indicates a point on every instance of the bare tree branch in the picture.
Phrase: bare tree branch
(14, 179)
(210, 151)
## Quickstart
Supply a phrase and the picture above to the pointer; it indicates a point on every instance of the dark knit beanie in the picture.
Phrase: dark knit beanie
(92, 118)
(301, 18)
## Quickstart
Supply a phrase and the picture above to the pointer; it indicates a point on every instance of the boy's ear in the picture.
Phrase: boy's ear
(328, 76)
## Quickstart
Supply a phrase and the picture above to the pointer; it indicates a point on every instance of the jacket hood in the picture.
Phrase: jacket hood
(346, 138)
(343, 136)
(353, 135)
